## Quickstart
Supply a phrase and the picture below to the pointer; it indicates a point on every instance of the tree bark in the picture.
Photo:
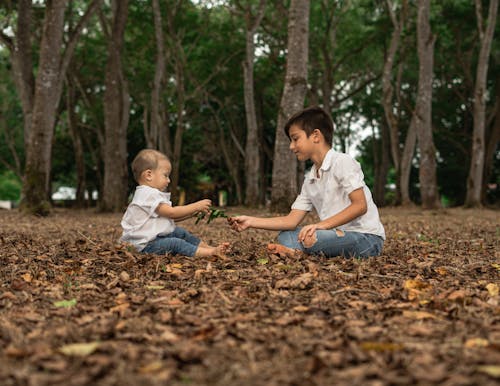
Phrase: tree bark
(475, 178)
(116, 114)
(158, 136)
(284, 179)
(388, 91)
(252, 147)
(427, 172)
(77, 143)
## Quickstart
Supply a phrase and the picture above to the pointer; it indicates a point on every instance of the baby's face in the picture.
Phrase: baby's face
(160, 177)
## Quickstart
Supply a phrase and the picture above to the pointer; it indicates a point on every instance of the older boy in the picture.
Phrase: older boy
(349, 223)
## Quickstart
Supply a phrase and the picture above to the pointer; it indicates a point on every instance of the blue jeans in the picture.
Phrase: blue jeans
(179, 242)
(330, 244)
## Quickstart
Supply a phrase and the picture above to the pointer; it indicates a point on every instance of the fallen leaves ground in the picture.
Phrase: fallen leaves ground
(77, 308)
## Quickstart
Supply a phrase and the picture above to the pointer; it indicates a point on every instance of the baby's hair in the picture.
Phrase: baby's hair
(146, 159)
(310, 119)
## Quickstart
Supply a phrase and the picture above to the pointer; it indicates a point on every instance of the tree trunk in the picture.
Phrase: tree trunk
(158, 136)
(381, 167)
(388, 92)
(475, 178)
(116, 114)
(252, 147)
(46, 99)
(406, 162)
(492, 141)
(77, 143)
(284, 183)
(427, 172)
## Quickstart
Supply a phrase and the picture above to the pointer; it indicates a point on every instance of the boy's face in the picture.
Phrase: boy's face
(301, 145)
(159, 178)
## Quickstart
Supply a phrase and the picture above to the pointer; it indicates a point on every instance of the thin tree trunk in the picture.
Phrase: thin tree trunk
(252, 148)
(406, 162)
(475, 178)
(388, 91)
(493, 140)
(159, 130)
(284, 184)
(116, 114)
(77, 143)
(427, 172)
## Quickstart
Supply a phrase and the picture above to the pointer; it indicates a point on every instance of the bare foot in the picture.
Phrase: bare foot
(281, 250)
(222, 249)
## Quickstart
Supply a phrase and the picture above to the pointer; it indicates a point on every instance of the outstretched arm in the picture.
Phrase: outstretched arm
(281, 223)
(183, 211)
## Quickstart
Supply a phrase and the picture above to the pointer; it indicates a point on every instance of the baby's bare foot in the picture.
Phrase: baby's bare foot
(222, 249)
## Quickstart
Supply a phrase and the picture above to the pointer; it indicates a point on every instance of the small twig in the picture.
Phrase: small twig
(81, 234)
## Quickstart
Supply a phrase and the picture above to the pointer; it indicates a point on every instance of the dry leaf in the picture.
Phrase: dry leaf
(79, 349)
(418, 315)
(492, 289)
(476, 342)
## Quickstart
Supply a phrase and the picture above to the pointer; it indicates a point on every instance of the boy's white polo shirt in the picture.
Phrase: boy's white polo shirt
(140, 222)
(340, 175)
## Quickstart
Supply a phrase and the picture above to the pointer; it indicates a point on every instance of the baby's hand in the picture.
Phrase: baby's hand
(203, 205)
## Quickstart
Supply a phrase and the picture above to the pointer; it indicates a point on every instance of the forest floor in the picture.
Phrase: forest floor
(78, 308)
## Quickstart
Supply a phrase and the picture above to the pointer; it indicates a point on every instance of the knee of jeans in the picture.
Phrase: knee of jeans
(286, 238)
(310, 240)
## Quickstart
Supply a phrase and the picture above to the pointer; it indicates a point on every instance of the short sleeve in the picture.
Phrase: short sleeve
(303, 202)
(349, 174)
(150, 200)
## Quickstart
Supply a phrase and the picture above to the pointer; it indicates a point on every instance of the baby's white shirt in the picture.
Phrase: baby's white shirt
(140, 222)
(340, 175)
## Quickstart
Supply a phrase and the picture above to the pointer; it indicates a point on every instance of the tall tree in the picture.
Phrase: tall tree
(425, 47)
(475, 178)
(252, 148)
(284, 183)
(392, 119)
(116, 111)
(40, 102)
(158, 133)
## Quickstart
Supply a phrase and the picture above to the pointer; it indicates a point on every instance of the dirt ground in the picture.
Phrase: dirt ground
(76, 308)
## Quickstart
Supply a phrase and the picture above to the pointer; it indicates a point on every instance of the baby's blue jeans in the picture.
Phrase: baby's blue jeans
(331, 244)
(179, 242)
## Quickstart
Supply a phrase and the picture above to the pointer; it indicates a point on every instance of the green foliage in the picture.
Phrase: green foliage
(212, 215)
(10, 186)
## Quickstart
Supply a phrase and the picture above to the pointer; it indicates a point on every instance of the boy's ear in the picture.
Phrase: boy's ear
(317, 134)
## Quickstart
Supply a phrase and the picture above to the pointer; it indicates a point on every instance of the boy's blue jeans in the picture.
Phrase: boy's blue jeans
(179, 242)
(331, 244)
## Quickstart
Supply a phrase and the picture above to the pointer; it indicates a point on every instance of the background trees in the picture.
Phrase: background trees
(175, 81)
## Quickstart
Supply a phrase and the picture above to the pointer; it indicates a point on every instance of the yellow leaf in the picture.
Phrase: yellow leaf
(176, 265)
(476, 342)
(79, 349)
(492, 371)
(418, 315)
(492, 289)
(263, 261)
(415, 284)
(27, 277)
(155, 287)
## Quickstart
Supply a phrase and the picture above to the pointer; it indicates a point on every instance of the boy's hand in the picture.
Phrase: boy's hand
(308, 231)
(239, 223)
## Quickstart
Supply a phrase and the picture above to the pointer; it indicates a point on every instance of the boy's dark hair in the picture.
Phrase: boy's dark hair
(310, 119)
(146, 159)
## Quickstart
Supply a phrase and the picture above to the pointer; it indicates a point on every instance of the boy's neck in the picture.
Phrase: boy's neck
(319, 155)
